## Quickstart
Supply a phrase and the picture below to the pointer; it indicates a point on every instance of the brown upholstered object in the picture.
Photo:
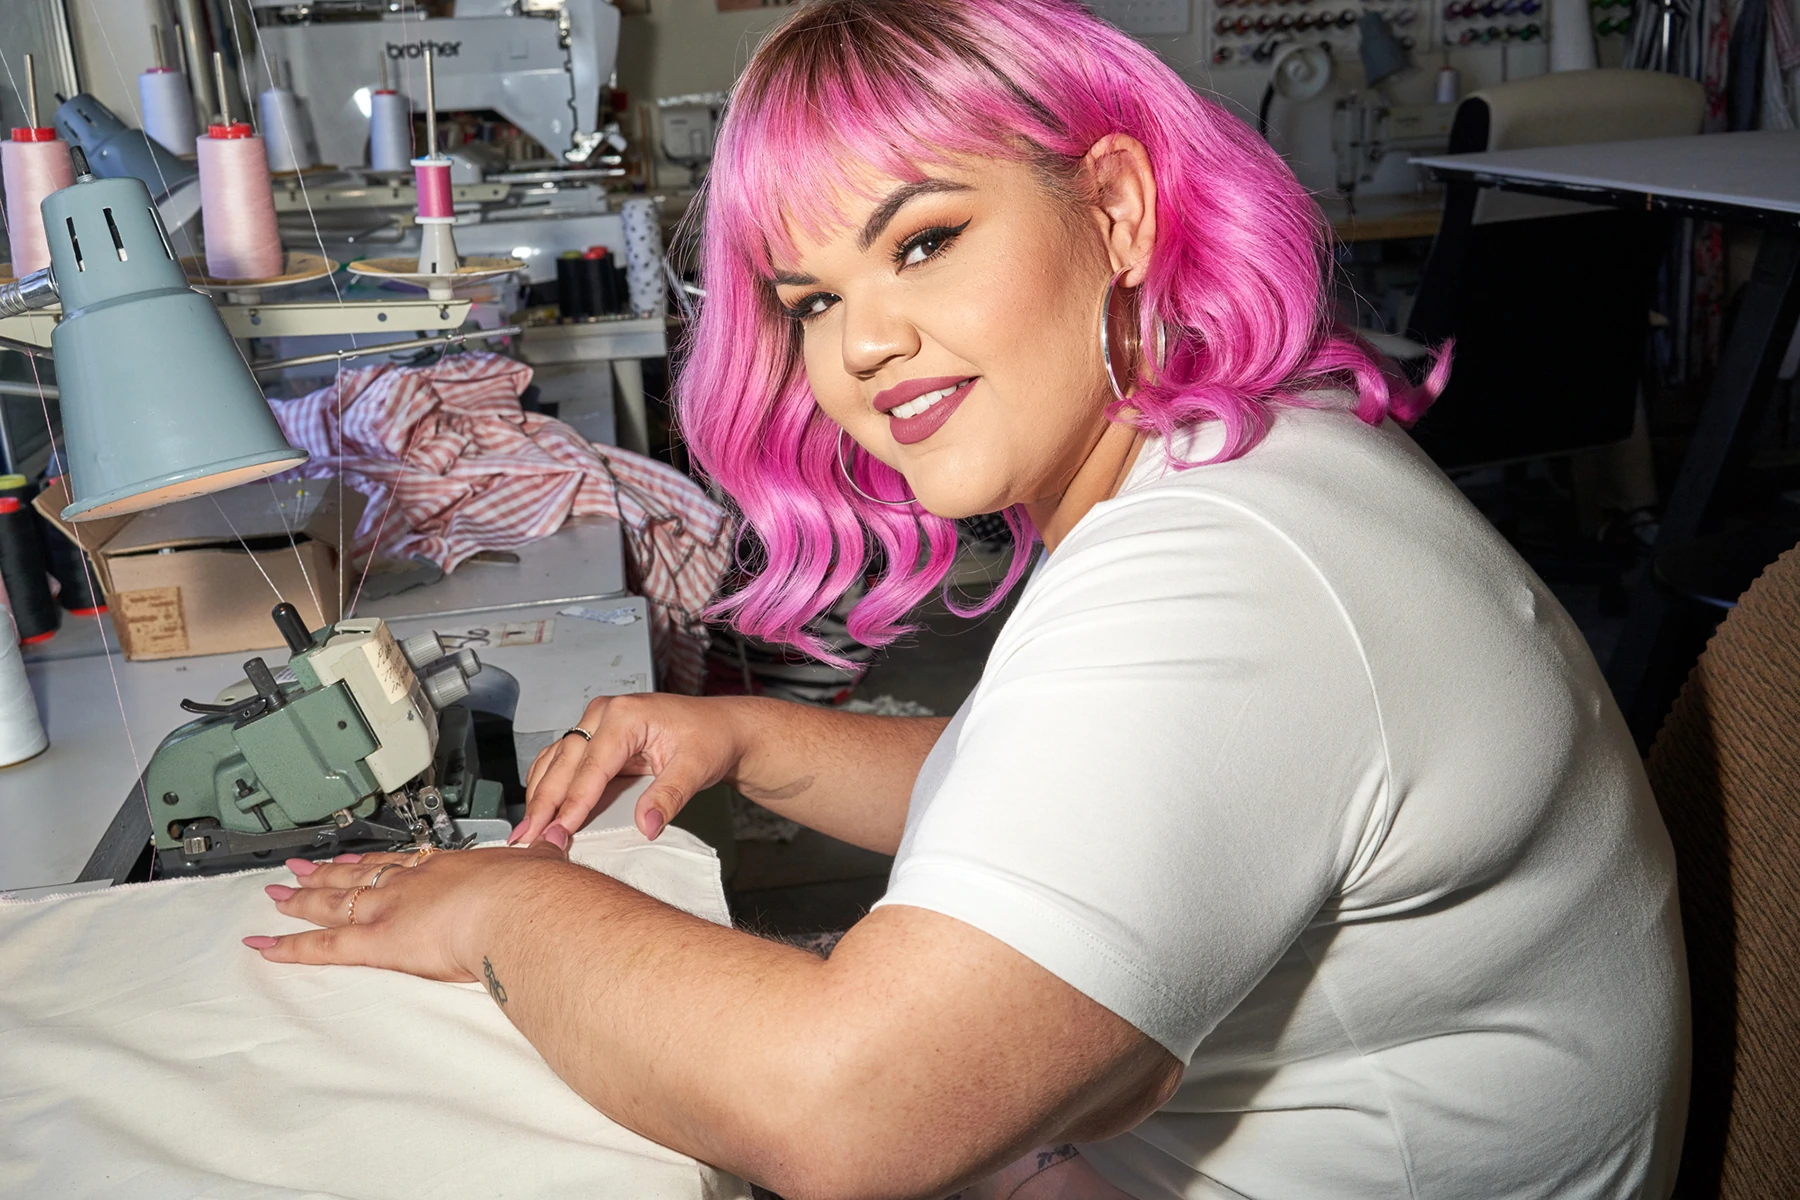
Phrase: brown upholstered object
(1726, 769)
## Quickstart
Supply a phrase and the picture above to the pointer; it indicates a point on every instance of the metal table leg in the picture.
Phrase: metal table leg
(1648, 665)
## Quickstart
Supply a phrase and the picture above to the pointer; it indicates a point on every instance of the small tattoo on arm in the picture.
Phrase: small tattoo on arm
(493, 984)
(786, 791)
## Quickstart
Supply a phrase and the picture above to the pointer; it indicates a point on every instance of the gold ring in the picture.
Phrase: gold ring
(423, 853)
(353, 895)
(383, 869)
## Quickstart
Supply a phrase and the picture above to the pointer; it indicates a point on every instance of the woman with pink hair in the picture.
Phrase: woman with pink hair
(1290, 844)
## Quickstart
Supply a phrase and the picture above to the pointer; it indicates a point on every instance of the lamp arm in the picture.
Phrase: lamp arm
(36, 290)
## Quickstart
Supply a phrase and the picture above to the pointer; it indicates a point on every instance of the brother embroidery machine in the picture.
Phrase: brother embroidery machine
(367, 748)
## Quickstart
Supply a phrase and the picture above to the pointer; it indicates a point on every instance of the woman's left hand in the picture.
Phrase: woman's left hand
(422, 916)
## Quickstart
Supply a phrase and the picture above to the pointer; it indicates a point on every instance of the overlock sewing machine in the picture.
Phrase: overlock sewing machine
(363, 747)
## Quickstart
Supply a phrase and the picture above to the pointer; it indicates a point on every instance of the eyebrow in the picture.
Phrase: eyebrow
(898, 199)
(878, 221)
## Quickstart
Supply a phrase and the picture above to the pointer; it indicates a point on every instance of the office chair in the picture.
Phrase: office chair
(1548, 300)
(1726, 771)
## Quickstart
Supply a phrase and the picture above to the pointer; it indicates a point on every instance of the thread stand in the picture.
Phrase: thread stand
(438, 268)
(297, 267)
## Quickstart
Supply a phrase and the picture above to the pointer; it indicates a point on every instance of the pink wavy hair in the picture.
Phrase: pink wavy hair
(1237, 277)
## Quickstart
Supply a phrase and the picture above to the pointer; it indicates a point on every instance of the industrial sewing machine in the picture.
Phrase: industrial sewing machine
(367, 748)
(538, 63)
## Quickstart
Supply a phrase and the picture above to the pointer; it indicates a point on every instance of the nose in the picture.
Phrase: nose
(875, 336)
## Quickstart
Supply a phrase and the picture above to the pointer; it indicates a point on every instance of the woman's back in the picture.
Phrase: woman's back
(1421, 938)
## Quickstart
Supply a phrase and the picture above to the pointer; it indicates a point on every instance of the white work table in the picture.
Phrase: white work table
(1750, 178)
(74, 813)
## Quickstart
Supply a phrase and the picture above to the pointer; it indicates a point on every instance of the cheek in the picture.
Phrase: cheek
(1030, 326)
(832, 386)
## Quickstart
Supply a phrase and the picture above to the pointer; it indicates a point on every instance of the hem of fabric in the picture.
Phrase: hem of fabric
(1074, 953)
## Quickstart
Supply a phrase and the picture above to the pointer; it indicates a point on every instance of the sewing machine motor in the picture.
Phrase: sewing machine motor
(366, 748)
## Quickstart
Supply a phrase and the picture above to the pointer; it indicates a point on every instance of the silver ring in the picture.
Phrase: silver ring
(585, 735)
(383, 869)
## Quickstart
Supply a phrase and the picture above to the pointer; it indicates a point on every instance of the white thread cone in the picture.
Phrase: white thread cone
(21, 733)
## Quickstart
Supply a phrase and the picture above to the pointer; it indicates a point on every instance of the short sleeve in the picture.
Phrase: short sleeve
(1172, 762)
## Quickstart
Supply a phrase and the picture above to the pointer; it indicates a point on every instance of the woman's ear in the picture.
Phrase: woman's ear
(1124, 191)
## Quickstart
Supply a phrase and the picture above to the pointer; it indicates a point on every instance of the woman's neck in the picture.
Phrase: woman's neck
(1099, 477)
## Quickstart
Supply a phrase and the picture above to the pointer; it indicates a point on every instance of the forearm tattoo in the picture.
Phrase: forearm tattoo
(786, 791)
(493, 984)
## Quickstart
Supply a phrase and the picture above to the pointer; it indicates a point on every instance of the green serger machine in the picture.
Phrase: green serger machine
(365, 748)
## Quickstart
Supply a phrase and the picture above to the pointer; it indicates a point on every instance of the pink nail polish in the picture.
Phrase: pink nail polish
(348, 858)
(512, 839)
(557, 836)
(278, 891)
(653, 823)
(259, 942)
(301, 866)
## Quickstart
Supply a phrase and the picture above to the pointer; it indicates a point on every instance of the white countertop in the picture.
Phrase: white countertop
(1759, 169)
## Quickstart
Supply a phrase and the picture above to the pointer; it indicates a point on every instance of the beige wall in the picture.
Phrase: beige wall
(684, 46)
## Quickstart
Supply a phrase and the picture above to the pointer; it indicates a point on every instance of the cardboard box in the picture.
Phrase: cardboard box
(201, 576)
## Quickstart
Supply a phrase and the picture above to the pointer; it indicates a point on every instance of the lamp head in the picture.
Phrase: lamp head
(116, 149)
(1382, 53)
(157, 403)
(1301, 70)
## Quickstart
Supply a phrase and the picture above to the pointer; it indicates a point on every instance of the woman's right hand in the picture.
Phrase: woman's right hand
(688, 743)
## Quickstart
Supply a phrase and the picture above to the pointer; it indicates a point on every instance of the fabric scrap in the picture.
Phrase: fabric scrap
(453, 466)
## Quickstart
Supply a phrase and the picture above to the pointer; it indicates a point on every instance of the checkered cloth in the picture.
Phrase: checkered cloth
(453, 466)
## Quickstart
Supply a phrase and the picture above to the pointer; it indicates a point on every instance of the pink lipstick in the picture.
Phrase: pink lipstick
(918, 408)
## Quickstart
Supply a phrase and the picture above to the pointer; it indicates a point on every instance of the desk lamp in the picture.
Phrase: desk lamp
(115, 149)
(1381, 52)
(157, 403)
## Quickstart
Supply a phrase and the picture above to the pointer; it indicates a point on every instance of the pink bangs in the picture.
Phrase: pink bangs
(847, 92)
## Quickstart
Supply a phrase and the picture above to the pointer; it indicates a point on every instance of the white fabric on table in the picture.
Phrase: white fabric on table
(144, 1052)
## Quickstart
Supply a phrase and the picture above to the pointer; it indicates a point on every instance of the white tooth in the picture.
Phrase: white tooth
(914, 407)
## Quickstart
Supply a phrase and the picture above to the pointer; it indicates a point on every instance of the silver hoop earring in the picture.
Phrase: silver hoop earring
(844, 467)
(1131, 341)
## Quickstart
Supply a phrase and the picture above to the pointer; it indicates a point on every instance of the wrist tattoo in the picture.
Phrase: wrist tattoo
(786, 791)
(493, 984)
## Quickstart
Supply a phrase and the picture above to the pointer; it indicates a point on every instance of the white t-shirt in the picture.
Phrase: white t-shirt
(1292, 763)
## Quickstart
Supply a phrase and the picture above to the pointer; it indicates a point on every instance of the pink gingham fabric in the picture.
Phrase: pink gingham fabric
(453, 466)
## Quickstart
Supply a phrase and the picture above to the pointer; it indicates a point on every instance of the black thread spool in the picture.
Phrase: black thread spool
(73, 571)
(621, 289)
(594, 271)
(569, 286)
(24, 573)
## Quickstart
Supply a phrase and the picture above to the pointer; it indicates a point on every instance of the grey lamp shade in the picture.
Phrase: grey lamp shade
(157, 403)
(1382, 54)
(115, 149)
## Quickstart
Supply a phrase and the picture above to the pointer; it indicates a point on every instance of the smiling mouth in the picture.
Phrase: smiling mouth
(919, 405)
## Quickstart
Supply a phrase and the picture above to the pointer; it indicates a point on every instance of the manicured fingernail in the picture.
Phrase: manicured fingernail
(512, 839)
(278, 892)
(301, 866)
(259, 942)
(348, 858)
(653, 823)
(557, 836)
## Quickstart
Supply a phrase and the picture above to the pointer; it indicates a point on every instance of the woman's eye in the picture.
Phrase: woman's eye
(921, 250)
(926, 244)
(811, 306)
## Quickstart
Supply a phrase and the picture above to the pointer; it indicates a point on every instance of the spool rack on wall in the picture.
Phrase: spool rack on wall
(1243, 32)
(1493, 22)
(1246, 31)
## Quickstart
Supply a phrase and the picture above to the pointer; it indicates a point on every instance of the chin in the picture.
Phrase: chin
(953, 503)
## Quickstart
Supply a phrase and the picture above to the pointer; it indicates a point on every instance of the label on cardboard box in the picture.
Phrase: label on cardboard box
(150, 621)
